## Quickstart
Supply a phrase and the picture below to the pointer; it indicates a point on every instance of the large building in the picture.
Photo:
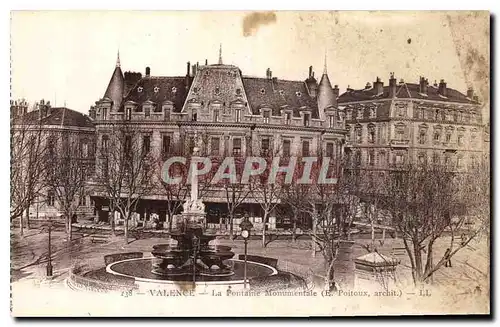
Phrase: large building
(56, 131)
(388, 126)
(237, 115)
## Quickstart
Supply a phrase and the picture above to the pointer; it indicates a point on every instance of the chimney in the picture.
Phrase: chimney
(378, 86)
(193, 69)
(442, 88)
(336, 90)
(188, 68)
(368, 85)
(470, 93)
(392, 85)
(424, 82)
(92, 112)
(148, 71)
(269, 73)
(310, 71)
(206, 62)
(348, 89)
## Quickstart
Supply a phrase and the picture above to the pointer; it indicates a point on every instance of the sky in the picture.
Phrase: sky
(68, 57)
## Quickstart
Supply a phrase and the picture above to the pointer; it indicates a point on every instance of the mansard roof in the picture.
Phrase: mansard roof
(159, 89)
(405, 91)
(276, 93)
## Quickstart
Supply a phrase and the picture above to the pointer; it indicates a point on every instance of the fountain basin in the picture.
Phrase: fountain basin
(141, 271)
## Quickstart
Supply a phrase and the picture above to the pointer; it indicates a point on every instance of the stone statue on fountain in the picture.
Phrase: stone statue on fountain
(194, 209)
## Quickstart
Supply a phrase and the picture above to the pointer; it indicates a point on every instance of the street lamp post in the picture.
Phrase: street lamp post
(245, 226)
(49, 252)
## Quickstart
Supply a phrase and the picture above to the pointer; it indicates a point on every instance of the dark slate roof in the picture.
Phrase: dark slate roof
(115, 88)
(275, 93)
(165, 85)
(220, 83)
(405, 91)
(61, 116)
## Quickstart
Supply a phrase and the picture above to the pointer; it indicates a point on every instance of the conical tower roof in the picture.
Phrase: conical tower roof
(116, 86)
(326, 96)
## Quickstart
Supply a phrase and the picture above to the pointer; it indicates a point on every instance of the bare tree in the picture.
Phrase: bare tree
(28, 166)
(333, 208)
(428, 202)
(127, 170)
(66, 176)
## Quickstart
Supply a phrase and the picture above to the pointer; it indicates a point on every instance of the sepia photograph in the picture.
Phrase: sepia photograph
(249, 163)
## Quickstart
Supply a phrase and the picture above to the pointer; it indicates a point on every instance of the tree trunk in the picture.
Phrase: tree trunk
(264, 221)
(111, 219)
(231, 236)
(70, 227)
(294, 227)
(313, 239)
(126, 227)
(21, 223)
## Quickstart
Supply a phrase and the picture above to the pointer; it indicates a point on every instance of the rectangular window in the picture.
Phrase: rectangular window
(305, 148)
(166, 114)
(288, 118)
(216, 115)
(371, 158)
(371, 135)
(437, 136)
(349, 114)
(214, 146)
(306, 119)
(194, 116)
(146, 143)
(286, 148)
(330, 150)
(147, 111)
(236, 146)
(332, 121)
(128, 113)
(267, 115)
(50, 198)
(422, 137)
(460, 140)
(238, 115)
(85, 150)
(104, 144)
(264, 147)
(359, 114)
(165, 146)
(359, 134)
(128, 144)
(104, 113)
(372, 113)
(448, 137)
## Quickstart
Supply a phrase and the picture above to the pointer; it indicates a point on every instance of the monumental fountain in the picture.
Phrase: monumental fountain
(192, 261)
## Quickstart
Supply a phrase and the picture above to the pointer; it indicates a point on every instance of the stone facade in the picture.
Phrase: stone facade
(235, 115)
(404, 122)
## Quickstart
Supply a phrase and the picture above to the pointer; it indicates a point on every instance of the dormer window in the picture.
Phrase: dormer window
(331, 121)
(156, 89)
(139, 89)
(267, 116)
(288, 118)
(262, 91)
(307, 117)
(174, 90)
(194, 117)
(195, 90)
(128, 113)
(237, 113)
(238, 91)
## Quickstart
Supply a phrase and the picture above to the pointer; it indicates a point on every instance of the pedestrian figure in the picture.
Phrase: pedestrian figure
(333, 287)
(447, 258)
